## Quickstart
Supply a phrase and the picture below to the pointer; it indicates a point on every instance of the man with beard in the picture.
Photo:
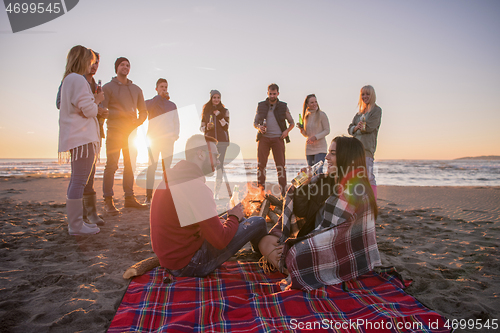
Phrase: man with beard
(270, 121)
(123, 99)
(187, 235)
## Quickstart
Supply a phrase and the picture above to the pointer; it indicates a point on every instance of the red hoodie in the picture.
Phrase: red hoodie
(174, 244)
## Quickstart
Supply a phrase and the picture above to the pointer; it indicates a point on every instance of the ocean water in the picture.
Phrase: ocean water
(387, 172)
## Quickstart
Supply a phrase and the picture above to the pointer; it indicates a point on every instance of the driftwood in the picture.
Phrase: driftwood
(277, 210)
(264, 208)
(141, 267)
(273, 216)
(274, 201)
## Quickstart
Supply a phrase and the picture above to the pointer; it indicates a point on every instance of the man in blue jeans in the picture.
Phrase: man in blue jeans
(187, 235)
(123, 99)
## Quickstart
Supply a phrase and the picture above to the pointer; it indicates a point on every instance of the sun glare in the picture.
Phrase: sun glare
(141, 143)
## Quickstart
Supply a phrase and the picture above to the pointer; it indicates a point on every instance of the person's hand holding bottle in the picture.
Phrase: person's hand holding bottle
(237, 211)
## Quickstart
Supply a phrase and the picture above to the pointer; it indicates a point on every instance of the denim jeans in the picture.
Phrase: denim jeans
(313, 159)
(82, 162)
(89, 188)
(166, 148)
(369, 167)
(117, 141)
(208, 258)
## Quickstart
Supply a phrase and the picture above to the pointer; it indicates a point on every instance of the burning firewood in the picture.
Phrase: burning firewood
(253, 200)
(274, 201)
(277, 210)
(274, 218)
(264, 208)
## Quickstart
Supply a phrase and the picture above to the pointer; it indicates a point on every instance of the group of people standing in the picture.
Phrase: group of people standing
(271, 122)
(84, 105)
(186, 233)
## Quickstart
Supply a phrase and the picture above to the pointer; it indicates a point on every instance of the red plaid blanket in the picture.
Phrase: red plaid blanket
(239, 297)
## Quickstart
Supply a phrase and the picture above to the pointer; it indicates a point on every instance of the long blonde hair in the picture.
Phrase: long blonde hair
(79, 60)
(364, 108)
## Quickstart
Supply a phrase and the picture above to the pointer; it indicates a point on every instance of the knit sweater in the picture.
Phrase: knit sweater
(320, 129)
(78, 124)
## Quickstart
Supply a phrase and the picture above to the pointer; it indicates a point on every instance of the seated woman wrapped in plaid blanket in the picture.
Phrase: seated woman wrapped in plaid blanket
(326, 233)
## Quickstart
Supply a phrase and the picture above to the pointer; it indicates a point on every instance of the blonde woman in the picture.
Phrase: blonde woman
(365, 126)
(79, 134)
(315, 128)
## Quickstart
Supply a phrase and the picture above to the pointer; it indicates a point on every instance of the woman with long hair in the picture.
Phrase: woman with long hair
(365, 126)
(79, 134)
(326, 234)
(215, 123)
(315, 128)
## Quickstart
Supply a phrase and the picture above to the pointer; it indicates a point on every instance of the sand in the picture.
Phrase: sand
(444, 238)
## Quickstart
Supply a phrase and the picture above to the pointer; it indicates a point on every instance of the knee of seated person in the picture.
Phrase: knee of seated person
(258, 222)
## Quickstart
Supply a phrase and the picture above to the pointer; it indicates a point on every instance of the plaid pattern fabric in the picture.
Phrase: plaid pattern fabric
(290, 223)
(239, 297)
(342, 247)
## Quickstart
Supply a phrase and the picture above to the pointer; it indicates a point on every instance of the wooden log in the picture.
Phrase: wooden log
(274, 218)
(277, 210)
(141, 267)
(274, 201)
(264, 208)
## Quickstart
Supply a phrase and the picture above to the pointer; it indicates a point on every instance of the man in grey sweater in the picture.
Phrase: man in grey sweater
(123, 99)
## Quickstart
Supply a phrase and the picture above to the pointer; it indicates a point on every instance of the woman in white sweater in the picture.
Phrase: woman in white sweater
(315, 128)
(78, 133)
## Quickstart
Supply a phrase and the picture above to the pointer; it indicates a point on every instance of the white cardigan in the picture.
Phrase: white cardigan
(75, 129)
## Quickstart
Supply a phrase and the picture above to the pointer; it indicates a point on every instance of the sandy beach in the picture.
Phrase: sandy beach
(443, 238)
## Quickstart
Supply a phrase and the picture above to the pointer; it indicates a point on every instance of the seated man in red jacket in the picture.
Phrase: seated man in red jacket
(187, 234)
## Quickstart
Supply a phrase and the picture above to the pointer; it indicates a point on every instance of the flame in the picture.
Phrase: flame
(253, 200)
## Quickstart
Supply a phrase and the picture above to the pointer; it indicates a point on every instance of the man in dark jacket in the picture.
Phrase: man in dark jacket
(270, 120)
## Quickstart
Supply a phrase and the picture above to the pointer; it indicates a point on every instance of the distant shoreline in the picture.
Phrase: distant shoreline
(482, 158)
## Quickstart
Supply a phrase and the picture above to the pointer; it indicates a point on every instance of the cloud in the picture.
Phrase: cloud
(207, 68)
(164, 45)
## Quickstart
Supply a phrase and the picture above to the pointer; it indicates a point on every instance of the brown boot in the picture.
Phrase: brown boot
(149, 196)
(90, 209)
(131, 202)
(110, 206)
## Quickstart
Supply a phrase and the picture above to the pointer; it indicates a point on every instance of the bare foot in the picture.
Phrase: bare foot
(271, 252)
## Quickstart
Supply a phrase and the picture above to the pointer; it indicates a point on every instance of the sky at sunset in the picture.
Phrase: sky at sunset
(434, 66)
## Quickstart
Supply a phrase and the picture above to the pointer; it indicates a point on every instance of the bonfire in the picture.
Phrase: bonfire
(257, 202)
